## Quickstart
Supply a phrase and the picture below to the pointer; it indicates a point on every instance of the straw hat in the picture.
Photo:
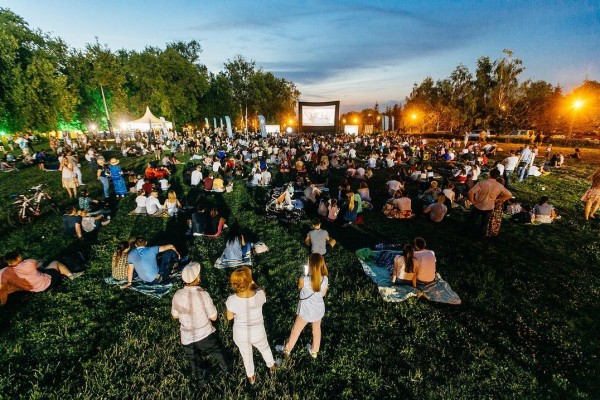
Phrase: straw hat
(114, 161)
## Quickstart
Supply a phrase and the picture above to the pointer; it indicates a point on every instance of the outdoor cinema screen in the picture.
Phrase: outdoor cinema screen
(319, 116)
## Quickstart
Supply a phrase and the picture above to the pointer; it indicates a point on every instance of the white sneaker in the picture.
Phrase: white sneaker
(313, 354)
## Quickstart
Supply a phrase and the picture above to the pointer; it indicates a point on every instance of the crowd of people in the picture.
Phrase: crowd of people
(423, 180)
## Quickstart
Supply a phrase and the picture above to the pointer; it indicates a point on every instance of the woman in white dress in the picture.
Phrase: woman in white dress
(311, 307)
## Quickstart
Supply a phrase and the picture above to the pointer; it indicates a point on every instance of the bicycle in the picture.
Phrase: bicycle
(25, 209)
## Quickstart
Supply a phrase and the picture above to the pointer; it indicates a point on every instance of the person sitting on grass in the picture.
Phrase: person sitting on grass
(318, 239)
(244, 307)
(72, 223)
(218, 184)
(30, 275)
(153, 206)
(90, 223)
(404, 267)
(140, 203)
(119, 260)
(215, 224)
(363, 191)
(194, 308)
(400, 206)
(172, 205)
(437, 211)
(236, 247)
(311, 306)
(152, 264)
(544, 212)
(197, 223)
(426, 268)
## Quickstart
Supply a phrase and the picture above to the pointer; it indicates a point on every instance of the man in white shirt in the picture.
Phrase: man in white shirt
(352, 152)
(266, 177)
(392, 186)
(196, 176)
(524, 163)
(153, 205)
(484, 196)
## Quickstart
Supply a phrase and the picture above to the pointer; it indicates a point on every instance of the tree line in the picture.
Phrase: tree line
(493, 97)
(46, 85)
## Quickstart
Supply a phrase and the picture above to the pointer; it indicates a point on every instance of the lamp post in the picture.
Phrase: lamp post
(577, 104)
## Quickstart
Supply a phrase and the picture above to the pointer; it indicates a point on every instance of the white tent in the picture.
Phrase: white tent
(148, 122)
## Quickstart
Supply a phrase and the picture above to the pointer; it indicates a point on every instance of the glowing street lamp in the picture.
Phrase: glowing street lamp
(92, 127)
(356, 120)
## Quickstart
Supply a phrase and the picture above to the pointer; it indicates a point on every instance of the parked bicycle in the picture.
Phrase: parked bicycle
(26, 208)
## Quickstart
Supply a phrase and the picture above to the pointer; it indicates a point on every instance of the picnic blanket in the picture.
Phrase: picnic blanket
(158, 290)
(222, 263)
(379, 264)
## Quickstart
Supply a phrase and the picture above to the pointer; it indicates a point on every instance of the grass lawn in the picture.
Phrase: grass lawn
(527, 328)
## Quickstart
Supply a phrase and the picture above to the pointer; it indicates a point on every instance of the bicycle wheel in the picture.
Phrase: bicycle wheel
(19, 216)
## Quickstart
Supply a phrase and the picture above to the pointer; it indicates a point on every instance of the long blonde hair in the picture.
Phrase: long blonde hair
(171, 195)
(317, 270)
(350, 200)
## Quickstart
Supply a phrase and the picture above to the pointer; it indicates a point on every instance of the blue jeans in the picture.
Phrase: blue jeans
(104, 181)
(507, 175)
(523, 172)
(246, 249)
(164, 260)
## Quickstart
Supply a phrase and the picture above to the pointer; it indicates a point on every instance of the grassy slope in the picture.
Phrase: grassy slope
(526, 329)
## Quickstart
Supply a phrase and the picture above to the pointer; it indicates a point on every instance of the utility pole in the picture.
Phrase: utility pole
(106, 111)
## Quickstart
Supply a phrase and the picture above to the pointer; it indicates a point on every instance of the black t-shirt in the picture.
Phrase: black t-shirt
(69, 222)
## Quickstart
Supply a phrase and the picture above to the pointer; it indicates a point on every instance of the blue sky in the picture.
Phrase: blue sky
(358, 52)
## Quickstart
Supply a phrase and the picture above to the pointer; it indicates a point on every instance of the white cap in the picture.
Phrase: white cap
(190, 272)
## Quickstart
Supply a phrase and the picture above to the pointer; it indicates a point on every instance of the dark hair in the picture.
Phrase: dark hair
(140, 241)
(315, 222)
(11, 256)
(409, 255)
(543, 200)
(419, 243)
(495, 173)
(235, 232)
(121, 247)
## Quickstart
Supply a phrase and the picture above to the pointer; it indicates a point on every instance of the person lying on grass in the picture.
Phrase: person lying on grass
(194, 308)
(311, 307)
(152, 264)
(30, 275)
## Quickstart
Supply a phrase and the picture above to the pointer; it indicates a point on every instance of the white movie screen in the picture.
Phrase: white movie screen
(318, 115)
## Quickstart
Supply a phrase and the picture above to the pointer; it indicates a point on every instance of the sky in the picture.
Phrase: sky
(358, 52)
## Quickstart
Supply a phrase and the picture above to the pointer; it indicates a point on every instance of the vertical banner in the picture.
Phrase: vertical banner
(228, 122)
(383, 123)
(387, 123)
(263, 126)
(221, 123)
(214, 123)
(393, 120)
(206, 120)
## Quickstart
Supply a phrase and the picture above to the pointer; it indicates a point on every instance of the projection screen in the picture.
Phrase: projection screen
(319, 117)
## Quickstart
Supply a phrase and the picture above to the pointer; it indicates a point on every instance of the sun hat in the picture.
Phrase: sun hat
(114, 161)
(190, 272)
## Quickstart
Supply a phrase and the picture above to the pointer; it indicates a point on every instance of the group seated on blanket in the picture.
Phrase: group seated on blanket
(399, 206)
(75, 223)
(416, 265)
(152, 172)
(30, 275)
(152, 264)
(206, 223)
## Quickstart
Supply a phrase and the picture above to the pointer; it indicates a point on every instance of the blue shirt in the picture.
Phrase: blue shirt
(144, 262)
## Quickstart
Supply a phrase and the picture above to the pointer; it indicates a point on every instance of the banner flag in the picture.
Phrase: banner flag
(383, 124)
(228, 122)
(206, 120)
(393, 120)
(387, 123)
(221, 121)
(263, 126)
(214, 123)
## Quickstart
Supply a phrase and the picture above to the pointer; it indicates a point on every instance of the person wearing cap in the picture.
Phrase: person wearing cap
(116, 176)
(194, 308)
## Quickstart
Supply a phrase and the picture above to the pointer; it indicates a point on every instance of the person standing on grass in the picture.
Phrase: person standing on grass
(194, 309)
(245, 309)
(311, 306)
(30, 275)
(484, 196)
(69, 179)
(592, 197)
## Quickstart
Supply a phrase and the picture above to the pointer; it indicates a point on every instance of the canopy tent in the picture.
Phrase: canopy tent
(149, 122)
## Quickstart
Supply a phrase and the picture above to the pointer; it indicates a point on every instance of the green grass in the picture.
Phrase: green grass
(527, 327)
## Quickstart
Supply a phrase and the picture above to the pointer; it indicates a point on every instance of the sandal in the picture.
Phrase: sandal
(251, 380)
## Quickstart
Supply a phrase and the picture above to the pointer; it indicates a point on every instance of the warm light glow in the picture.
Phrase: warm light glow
(344, 120)
(356, 120)
(92, 127)
(503, 108)
(414, 116)
(123, 125)
(577, 104)
(291, 121)
(289, 129)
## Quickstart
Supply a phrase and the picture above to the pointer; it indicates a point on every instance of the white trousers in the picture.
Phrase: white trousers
(247, 337)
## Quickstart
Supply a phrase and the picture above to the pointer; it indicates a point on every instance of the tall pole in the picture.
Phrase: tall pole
(106, 111)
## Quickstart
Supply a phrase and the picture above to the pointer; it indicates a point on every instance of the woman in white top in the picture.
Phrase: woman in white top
(69, 179)
(245, 308)
(172, 205)
(311, 307)
(404, 267)
(140, 202)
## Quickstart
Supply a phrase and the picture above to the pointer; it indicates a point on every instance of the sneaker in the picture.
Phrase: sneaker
(75, 275)
(198, 234)
(313, 354)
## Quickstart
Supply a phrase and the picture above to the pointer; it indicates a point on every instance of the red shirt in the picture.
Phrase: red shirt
(26, 276)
